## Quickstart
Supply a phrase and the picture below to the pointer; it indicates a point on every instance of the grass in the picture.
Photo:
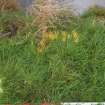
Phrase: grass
(95, 11)
(63, 72)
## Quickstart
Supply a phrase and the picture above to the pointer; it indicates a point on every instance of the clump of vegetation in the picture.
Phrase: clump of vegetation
(64, 71)
(13, 23)
(70, 68)
(48, 16)
(9, 5)
(95, 11)
(47, 13)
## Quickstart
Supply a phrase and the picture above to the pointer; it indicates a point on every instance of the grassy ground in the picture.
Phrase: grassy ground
(67, 70)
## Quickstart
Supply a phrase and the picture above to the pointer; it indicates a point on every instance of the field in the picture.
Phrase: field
(71, 67)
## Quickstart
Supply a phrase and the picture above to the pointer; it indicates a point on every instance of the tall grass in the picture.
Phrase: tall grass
(47, 13)
(64, 71)
(48, 16)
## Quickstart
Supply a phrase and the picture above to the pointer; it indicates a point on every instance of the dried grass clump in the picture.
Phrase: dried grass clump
(10, 28)
(48, 15)
(9, 5)
(44, 13)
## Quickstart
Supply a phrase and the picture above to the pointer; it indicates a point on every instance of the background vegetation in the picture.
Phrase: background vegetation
(70, 68)
(9, 5)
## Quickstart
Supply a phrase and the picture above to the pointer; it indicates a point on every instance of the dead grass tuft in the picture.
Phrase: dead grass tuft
(48, 14)
(9, 5)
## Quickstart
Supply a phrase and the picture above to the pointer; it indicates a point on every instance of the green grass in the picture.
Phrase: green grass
(63, 72)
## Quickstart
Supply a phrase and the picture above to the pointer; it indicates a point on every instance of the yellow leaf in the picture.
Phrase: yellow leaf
(52, 36)
(75, 36)
(64, 36)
